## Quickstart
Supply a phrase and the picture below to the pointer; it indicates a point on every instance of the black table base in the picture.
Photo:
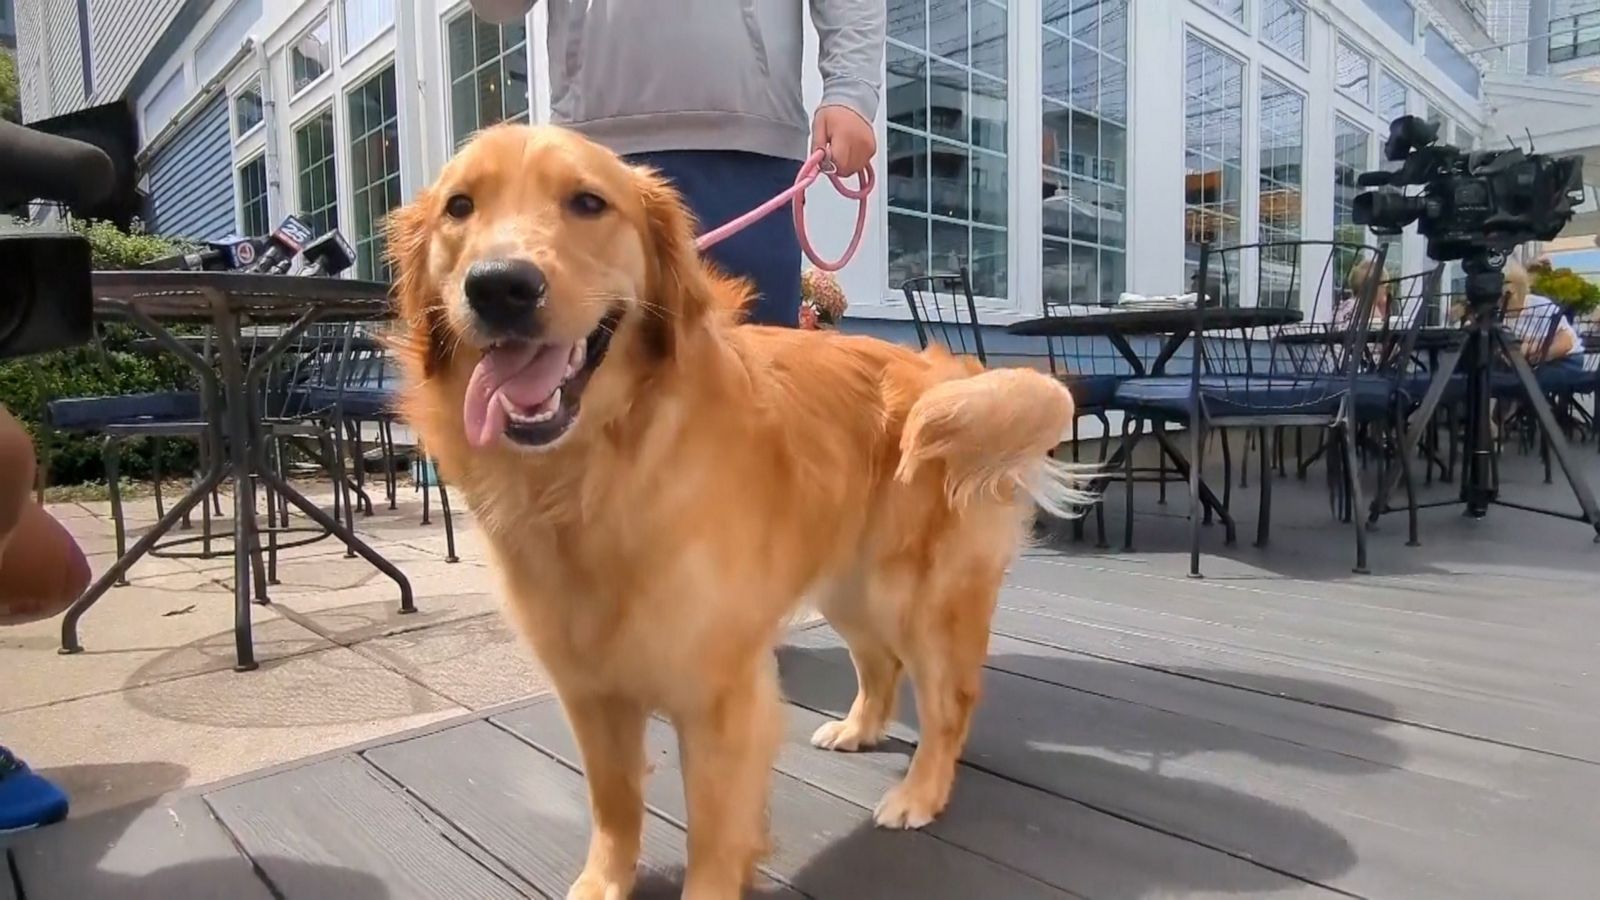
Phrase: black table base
(247, 458)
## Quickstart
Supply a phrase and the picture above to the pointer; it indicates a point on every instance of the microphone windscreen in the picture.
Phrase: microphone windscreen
(40, 166)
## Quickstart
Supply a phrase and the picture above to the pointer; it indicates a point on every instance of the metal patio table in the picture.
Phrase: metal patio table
(229, 383)
(1176, 324)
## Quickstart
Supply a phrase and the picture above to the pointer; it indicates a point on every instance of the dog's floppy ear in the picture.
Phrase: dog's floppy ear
(678, 288)
(422, 343)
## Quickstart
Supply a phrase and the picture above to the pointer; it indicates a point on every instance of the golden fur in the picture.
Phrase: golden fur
(718, 476)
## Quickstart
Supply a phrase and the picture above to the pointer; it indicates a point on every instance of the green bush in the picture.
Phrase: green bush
(111, 368)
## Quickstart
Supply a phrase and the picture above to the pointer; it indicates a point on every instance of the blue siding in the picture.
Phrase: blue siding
(191, 178)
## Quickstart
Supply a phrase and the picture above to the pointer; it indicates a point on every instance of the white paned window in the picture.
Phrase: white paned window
(247, 108)
(1352, 154)
(946, 102)
(488, 74)
(315, 172)
(1228, 9)
(310, 55)
(1353, 73)
(253, 198)
(1283, 26)
(364, 20)
(1283, 129)
(1213, 147)
(1392, 96)
(1085, 153)
(374, 169)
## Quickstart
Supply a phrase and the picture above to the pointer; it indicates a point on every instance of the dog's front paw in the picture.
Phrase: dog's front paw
(904, 807)
(598, 887)
(845, 737)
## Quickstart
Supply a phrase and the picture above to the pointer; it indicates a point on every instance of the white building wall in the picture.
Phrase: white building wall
(1155, 162)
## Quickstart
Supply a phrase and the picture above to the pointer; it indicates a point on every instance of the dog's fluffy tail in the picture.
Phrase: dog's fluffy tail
(994, 431)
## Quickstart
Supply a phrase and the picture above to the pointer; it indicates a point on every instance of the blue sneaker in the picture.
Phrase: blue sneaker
(27, 800)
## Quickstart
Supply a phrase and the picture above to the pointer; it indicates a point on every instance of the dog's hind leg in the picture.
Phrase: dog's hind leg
(877, 677)
(610, 733)
(944, 647)
(727, 746)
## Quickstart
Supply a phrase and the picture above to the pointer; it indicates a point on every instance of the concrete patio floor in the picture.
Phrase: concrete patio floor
(153, 704)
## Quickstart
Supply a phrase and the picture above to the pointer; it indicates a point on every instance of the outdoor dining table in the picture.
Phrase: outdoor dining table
(1176, 325)
(229, 384)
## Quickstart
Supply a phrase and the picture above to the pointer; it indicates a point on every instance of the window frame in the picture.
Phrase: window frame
(450, 18)
(1299, 60)
(927, 132)
(1244, 214)
(1298, 232)
(255, 82)
(324, 18)
(241, 205)
(348, 52)
(1342, 42)
(1085, 167)
(352, 142)
(333, 157)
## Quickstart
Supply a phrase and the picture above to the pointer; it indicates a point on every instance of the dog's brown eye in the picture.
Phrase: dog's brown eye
(585, 203)
(458, 206)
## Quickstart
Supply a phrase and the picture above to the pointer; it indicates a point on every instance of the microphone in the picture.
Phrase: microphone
(41, 166)
(328, 255)
(229, 254)
(282, 246)
(501, 12)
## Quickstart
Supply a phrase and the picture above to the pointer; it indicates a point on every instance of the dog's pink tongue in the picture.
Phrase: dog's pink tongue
(525, 374)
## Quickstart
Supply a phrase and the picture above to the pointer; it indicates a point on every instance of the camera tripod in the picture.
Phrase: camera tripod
(1484, 339)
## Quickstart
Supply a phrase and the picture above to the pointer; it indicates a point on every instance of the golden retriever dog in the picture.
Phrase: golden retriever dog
(661, 488)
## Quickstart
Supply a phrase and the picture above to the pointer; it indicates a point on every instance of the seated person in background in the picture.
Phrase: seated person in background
(1344, 314)
(1531, 317)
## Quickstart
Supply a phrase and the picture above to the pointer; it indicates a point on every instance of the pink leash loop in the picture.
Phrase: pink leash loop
(814, 167)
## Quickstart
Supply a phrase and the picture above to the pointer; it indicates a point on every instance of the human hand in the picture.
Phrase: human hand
(849, 140)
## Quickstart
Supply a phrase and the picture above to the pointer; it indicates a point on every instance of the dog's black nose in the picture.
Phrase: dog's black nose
(504, 293)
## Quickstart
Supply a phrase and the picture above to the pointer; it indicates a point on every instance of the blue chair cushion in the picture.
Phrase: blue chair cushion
(354, 402)
(1092, 392)
(95, 413)
(1374, 392)
(1228, 396)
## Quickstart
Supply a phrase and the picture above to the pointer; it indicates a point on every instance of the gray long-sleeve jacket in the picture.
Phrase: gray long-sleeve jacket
(654, 75)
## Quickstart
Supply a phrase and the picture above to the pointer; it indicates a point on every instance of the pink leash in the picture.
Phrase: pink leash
(814, 167)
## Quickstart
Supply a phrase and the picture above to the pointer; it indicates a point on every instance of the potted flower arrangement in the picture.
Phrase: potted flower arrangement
(822, 302)
(1567, 288)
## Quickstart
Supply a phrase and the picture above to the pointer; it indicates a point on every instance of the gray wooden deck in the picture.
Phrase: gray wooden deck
(1281, 728)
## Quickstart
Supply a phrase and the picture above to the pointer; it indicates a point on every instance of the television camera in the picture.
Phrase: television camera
(1477, 207)
(1473, 206)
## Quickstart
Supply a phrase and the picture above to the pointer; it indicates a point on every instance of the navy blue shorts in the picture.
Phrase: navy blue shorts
(721, 185)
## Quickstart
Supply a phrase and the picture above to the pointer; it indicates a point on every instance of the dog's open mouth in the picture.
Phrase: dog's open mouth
(529, 391)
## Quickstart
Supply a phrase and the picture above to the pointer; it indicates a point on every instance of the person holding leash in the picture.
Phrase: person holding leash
(708, 92)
